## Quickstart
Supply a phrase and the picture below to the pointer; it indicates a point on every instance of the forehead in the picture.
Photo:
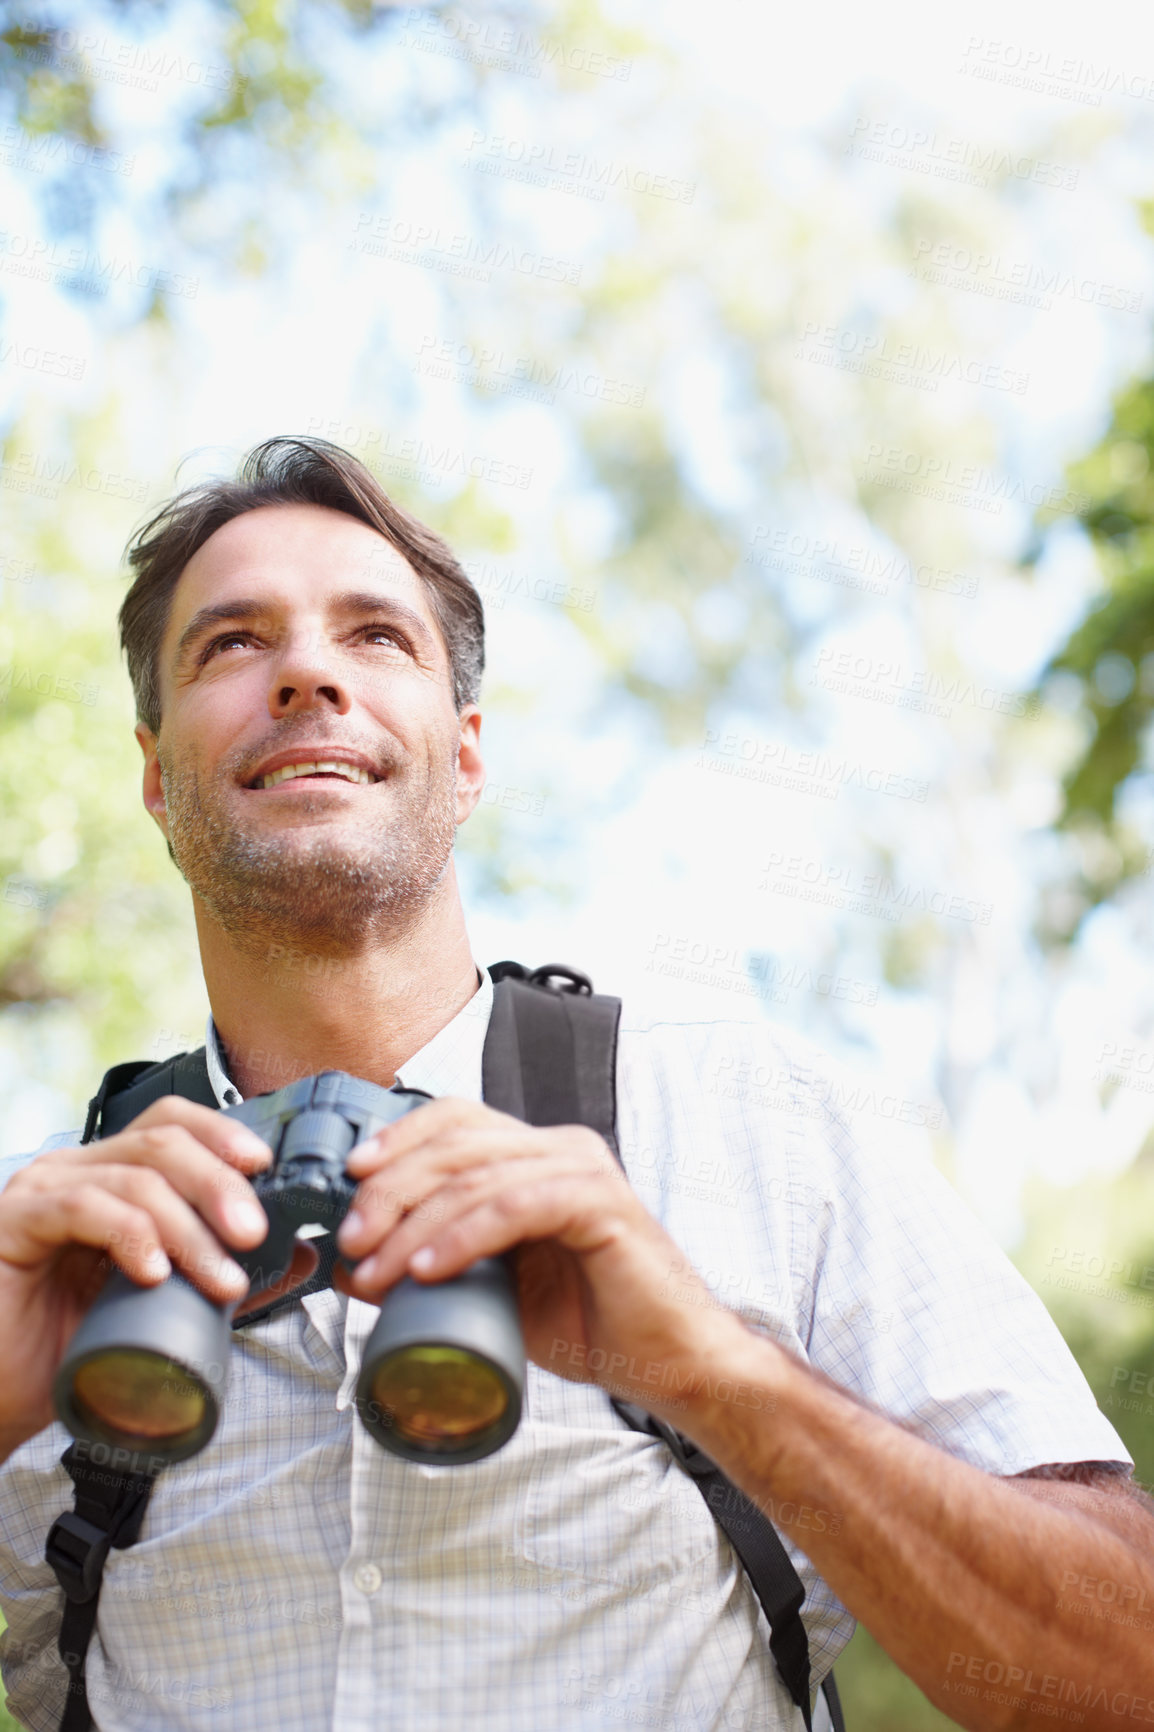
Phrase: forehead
(295, 557)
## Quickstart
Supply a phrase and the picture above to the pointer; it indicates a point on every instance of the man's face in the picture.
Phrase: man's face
(299, 640)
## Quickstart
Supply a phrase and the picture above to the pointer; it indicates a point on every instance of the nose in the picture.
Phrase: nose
(306, 677)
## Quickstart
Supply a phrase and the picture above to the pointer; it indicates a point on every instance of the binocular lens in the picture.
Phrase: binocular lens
(128, 1392)
(438, 1398)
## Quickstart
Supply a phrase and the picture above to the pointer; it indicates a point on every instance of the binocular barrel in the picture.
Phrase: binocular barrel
(443, 1372)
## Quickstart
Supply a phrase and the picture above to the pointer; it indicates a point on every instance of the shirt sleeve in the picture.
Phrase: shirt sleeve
(10, 1164)
(914, 1308)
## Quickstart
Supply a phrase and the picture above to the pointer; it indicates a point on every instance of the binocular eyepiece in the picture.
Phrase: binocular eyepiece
(443, 1372)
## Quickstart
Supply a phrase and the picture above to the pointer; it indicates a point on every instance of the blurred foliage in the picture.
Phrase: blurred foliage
(1089, 1254)
(1106, 670)
(876, 1697)
(256, 96)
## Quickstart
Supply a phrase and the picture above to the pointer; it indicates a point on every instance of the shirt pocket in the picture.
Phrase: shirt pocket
(606, 1503)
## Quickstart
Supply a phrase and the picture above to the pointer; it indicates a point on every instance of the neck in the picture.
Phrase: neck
(362, 1007)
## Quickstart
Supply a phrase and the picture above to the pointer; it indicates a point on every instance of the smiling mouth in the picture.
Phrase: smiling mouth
(320, 770)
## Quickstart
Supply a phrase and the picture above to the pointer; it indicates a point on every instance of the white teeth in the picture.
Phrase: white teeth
(350, 772)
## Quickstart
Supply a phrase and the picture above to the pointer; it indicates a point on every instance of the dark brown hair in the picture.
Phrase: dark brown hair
(290, 471)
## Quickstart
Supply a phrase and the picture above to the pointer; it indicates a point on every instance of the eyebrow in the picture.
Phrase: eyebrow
(352, 602)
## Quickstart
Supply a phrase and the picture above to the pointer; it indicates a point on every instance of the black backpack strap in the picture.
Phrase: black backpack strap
(757, 1543)
(551, 1051)
(127, 1089)
(551, 1059)
(110, 1506)
(833, 1703)
(109, 1511)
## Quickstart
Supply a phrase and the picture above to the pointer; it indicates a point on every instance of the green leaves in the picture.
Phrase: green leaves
(1110, 658)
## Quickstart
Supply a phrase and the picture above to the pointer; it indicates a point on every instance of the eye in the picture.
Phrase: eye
(383, 634)
(227, 640)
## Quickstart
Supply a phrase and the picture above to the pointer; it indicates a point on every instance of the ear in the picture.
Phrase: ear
(470, 768)
(153, 790)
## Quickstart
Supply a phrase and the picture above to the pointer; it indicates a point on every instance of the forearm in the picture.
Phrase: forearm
(960, 1576)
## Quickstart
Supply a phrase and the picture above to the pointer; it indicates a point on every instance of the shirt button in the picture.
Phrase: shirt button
(367, 1578)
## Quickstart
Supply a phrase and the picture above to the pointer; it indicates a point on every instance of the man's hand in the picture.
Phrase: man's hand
(164, 1193)
(596, 1274)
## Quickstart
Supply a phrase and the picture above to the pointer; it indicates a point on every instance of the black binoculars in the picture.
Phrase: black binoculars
(443, 1372)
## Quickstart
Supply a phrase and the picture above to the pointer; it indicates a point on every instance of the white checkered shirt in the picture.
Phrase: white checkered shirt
(297, 1575)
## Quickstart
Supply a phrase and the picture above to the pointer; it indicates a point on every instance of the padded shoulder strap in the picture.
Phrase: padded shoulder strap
(756, 1542)
(551, 1052)
(551, 1059)
(127, 1089)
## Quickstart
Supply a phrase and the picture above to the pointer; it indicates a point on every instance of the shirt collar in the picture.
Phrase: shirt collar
(449, 1064)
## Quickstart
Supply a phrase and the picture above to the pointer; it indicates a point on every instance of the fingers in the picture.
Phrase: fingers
(196, 1160)
(226, 1137)
(459, 1145)
(131, 1212)
(424, 1126)
(165, 1191)
(488, 1210)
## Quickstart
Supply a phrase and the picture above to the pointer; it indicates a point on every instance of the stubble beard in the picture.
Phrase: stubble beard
(325, 887)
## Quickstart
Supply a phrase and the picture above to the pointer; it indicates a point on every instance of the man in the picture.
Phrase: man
(881, 1382)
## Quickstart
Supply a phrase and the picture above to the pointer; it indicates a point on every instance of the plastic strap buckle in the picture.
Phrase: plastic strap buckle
(76, 1551)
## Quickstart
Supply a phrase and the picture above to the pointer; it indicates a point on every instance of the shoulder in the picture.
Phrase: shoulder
(761, 1079)
(736, 1055)
(10, 1164)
